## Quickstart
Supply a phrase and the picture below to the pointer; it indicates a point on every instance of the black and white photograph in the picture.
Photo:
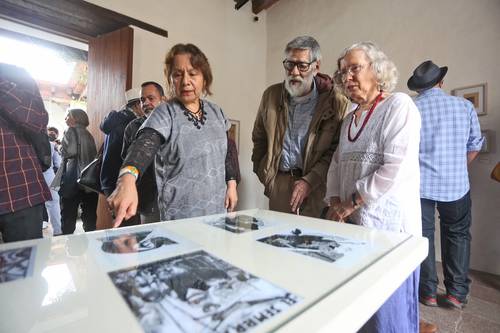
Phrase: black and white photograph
(118, 247)
(134, 242)
(238, 223)
(16, 263)
(197, 292)
(327, 247)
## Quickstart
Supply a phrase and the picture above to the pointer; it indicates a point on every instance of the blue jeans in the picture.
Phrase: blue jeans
(455, 221)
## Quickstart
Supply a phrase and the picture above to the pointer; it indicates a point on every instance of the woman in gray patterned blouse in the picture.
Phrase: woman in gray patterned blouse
(187, 139)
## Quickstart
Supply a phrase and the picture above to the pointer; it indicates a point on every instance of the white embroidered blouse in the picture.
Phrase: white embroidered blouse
(382, 166)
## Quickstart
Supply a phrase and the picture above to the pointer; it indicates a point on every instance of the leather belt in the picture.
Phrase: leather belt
(293, 172)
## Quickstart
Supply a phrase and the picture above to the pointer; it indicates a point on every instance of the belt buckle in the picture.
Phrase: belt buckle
(295, 172)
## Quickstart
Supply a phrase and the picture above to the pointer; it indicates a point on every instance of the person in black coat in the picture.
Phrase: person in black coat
(152, 95)
(113, 126)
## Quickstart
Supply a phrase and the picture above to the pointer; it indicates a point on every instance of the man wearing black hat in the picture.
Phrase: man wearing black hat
(450, 138)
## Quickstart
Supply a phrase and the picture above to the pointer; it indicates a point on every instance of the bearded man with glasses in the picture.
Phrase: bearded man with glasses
(296, 132)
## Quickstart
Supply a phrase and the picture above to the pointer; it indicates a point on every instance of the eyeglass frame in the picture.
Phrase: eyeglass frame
(297, 63)
(342, 74)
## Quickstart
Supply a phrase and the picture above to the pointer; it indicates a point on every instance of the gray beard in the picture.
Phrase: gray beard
(298, 90)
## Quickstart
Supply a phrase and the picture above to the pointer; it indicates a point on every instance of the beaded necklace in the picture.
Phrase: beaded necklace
(349, 137)
(198, 118)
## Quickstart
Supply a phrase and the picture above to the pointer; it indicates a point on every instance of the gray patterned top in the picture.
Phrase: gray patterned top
(190, 165)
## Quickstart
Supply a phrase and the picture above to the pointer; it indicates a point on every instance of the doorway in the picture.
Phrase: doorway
(59, 66)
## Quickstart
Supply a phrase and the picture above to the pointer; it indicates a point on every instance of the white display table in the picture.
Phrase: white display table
(93, 283)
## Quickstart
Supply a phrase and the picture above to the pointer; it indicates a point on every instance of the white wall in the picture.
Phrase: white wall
(461, 34)
(236, 48)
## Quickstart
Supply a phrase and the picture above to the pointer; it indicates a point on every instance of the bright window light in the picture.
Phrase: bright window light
(42, 63)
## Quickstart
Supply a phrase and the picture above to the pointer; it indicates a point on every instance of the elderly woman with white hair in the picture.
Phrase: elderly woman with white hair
(373, 179)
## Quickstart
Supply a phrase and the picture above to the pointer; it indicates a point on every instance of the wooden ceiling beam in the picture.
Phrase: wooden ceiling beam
(77, 18)
(37, 22)
(260, 5)
(106, 13)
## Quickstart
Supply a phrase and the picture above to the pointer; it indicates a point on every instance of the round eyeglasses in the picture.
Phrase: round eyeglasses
(351, 70)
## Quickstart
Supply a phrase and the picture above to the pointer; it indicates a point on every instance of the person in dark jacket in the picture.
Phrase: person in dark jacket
(77, 150)
(152, 95)
(113, 126)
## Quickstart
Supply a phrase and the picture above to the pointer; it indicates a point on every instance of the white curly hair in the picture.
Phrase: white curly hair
(384, 69)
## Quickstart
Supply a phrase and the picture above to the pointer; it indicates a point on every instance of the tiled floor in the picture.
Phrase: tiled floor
(482, 313)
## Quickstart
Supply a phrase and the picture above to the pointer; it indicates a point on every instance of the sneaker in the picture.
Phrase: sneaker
(428, 300)
(45, 225)
(454, 302)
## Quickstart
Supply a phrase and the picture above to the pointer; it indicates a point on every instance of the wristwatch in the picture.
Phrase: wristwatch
(355, 204)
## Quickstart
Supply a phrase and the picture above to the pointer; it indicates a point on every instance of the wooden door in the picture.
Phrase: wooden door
(110, 75)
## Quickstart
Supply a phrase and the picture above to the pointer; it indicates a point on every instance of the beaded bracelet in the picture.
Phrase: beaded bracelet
(129, 170)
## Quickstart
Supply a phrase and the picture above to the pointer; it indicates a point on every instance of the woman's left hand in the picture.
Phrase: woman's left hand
(344, 209)
(231, 199)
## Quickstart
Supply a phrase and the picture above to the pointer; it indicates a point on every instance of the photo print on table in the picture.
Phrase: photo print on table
(16, 263)
(238, 223)
(133, 242)
(322, 246)
(197, 292)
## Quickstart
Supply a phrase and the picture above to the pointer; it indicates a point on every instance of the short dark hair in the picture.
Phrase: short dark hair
(53, 129)
(198, 61)
(157, 86)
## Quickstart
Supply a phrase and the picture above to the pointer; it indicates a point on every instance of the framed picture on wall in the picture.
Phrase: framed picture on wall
(234, 132)
(475, 94)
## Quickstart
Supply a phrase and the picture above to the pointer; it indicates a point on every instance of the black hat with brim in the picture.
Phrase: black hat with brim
(426, 76)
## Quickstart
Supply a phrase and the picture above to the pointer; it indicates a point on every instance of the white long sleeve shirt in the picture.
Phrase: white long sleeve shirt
(382, 166)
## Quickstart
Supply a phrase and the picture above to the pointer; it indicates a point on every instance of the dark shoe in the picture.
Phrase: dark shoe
(425, 327)
(428, 300)
(454, 302)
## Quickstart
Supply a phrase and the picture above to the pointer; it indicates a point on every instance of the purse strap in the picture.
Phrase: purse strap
(78, 147)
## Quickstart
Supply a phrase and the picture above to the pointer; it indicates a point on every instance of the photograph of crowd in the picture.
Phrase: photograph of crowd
(197, 292)
(322, 246)
(238, 223)
(134, 242)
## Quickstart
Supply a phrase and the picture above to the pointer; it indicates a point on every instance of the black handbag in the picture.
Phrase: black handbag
(90, 177)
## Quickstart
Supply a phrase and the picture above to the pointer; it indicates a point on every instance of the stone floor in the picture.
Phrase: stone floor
(482, 313)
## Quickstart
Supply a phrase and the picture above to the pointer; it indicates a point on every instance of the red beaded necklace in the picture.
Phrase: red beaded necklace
(377, 100)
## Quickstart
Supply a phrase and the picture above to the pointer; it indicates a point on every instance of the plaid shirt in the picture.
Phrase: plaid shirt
(21, 179)
(449, 131)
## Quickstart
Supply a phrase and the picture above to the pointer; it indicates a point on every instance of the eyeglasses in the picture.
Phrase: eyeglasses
(351, 70)
(301, 66)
